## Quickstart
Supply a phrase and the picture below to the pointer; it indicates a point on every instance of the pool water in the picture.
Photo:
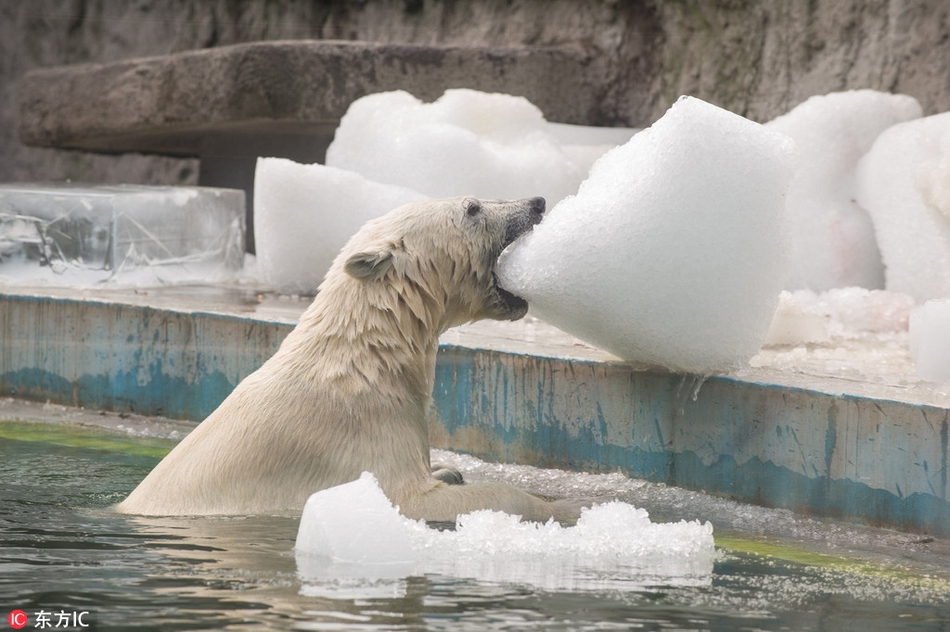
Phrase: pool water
(63, 551)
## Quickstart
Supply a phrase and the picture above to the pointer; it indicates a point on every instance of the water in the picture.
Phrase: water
(63, 550)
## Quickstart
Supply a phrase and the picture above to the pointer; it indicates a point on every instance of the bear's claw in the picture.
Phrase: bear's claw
(446, 473)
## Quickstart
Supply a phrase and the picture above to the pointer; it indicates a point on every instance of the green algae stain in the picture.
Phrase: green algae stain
(85, 437)
(790, 554)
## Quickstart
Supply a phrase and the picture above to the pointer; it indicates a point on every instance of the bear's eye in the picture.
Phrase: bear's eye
(472, 207)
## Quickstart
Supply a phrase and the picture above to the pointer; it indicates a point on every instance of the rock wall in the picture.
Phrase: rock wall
(755, 57)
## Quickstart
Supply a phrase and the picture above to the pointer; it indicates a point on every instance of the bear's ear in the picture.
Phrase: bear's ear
(370, 264)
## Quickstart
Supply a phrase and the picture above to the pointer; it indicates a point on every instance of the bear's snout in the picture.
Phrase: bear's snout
(536, 206)
(527, 214)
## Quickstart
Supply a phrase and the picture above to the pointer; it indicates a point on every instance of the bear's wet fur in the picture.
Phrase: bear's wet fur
(348, 390)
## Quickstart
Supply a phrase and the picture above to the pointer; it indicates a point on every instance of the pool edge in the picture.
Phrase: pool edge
(849, 457)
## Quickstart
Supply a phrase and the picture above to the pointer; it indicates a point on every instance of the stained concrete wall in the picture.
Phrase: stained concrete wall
(757, 58)
(821, 453)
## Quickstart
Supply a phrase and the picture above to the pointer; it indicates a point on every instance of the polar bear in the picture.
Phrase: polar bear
(347, 391)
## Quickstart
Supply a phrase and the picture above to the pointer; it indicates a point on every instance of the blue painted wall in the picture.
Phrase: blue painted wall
(848, 457)
(99, 355)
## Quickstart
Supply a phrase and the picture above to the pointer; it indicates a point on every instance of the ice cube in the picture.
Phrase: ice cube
(903, 183)
(674, 251)
(304, 214)
(355, 523)
(82, 234)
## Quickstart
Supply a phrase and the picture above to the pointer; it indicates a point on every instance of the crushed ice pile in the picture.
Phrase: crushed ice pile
(804, 316)
(663, 268)
(81, 235)
(465, 143)
(353, 531)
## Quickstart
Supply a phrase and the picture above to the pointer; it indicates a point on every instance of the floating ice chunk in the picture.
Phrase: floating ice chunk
(81, 235)
(833, 241)
(674, 251)
(930, 340)
(613, 545)
(355, 526)
(304, 214)
(903, 183)
(466, 143)
(353, 531)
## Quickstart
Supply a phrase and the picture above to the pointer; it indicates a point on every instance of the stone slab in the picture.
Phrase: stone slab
(231, 104)
(275, 95)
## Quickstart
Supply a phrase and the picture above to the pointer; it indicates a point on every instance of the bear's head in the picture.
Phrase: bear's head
(438, 257)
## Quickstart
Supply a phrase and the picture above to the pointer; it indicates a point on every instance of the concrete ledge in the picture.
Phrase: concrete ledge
(275, 93)
(847, 457)
(820, 452)
(130, 358)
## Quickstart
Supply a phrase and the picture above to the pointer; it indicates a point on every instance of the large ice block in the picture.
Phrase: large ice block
(674, 250)
(833, 242)
(903, 183)
(352, 531)
(79, 234)
(304, 214)
(494, 146)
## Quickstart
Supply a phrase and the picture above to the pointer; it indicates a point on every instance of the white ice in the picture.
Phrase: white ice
(304, 214)
(356, 524)
(832, 237)
(353, 531)
(493, 146)
(804, 316)
(62, 234)
(390, 149)
(675, 249)
(904, 183)
(930, 340)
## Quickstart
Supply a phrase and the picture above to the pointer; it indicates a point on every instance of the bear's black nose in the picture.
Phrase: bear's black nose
(536, 204)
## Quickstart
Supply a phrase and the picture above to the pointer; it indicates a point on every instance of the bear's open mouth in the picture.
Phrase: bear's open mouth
(522, 225)
(512, 302)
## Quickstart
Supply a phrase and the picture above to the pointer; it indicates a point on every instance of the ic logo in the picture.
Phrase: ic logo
(17, 619)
